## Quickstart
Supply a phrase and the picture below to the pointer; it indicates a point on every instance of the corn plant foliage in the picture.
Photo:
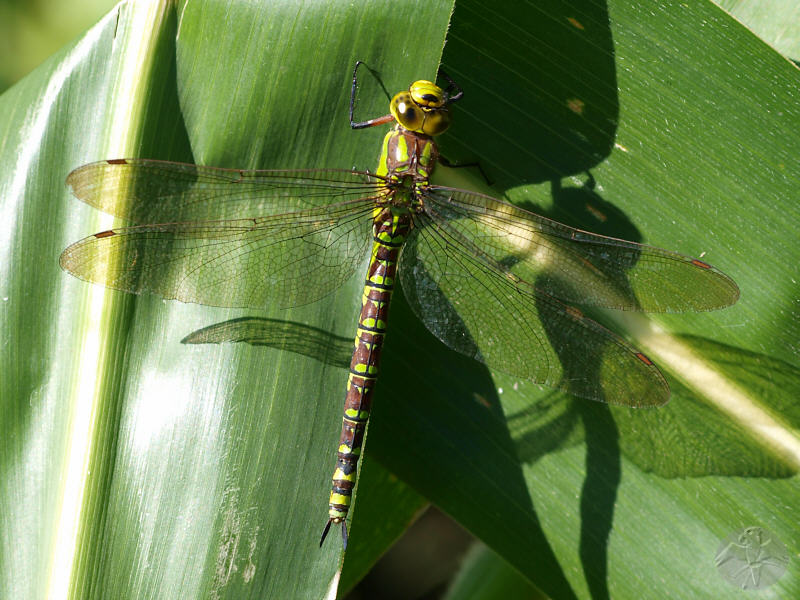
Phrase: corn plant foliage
(202, 469)
(205, 469)
(682, 132)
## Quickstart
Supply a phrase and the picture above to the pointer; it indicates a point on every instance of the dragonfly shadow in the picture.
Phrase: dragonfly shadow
(443, 410)
(583, 208)
(713, 443)
(550, 95)
(559, 421)
(305, 340)
(422, 442)
(558, 116)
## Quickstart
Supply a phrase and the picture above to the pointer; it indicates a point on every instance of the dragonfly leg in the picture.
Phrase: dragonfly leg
(476, 165)
(370, 122)
(452, 86)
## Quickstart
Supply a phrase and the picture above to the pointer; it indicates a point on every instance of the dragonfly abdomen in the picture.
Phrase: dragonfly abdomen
(391, 226)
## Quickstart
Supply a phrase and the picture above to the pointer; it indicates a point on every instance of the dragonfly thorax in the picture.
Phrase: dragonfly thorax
(407, 155)
(403, 195)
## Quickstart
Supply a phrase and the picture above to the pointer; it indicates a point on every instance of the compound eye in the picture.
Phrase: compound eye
(436, 122)
(407, 112)
(427, 94)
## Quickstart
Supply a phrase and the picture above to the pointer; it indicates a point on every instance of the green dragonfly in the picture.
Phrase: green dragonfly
(489, 279)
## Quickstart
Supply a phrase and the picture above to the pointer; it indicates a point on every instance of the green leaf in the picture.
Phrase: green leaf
(686, 125)
(134, 465)
(775, 23)
(485, 576)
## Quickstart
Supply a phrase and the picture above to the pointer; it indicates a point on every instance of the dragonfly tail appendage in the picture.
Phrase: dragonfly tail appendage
(328, 528)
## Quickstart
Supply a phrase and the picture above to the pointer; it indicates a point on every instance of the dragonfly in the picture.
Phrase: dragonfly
(489, 279)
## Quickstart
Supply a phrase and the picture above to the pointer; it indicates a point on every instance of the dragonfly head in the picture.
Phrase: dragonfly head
(423, 108)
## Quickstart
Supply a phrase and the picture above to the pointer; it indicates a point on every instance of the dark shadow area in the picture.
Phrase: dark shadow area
(583, 208)
(421, 565)
(555, 60)
(562, 70)
(598, 494)
(290, 336)
(165, 134)
(560, 66)
(448, 404)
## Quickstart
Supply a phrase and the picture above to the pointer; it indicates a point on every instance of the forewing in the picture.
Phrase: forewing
(151, 191)
(480, 311)
(292, 259)
(577, 266)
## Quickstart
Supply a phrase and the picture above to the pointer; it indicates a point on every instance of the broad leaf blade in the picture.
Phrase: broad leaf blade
(699, 156)
(200, 470)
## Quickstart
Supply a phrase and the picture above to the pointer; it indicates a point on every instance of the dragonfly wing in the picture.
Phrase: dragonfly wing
(480, 311)
(293, 259)
(152, 191)
(578, 266)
